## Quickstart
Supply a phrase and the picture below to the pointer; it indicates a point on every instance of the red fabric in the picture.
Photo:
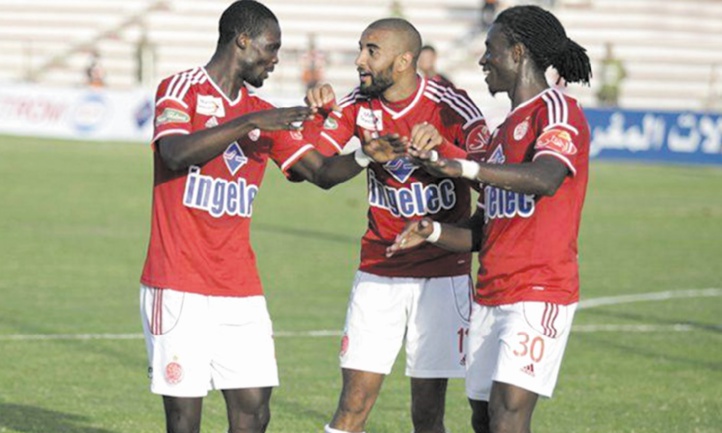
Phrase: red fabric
(199, 239)
(529, 250)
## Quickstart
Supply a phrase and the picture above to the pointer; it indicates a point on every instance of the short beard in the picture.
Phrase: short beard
(377, 87)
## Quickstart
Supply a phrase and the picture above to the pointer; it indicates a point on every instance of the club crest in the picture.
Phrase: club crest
(234, 158)
(400, 168)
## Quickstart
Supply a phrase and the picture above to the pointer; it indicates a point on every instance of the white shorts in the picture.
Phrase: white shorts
(433, 314)
(520, 344)
(196, 343)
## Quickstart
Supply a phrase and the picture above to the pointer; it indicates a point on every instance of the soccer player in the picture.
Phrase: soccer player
(422, 296)
(534, 182)
(204, 315)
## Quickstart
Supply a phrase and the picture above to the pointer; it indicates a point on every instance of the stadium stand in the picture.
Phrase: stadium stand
(670, 49)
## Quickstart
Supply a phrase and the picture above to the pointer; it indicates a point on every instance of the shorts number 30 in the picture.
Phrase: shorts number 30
(534, 347)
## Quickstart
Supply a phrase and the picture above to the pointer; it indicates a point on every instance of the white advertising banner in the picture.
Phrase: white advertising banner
(76, 113)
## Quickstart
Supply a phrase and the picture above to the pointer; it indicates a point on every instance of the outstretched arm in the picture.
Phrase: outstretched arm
(327, 172)
(181, 151)
(462, 237)
(542, 177)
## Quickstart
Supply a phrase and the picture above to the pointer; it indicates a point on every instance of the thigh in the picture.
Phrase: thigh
(175, 326)
(481, 352)
(534, 338)
(242, 347)
(437, 328)
(375, 323)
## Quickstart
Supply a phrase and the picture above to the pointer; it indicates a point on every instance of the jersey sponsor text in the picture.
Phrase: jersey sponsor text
(417, 200)
(218, 196)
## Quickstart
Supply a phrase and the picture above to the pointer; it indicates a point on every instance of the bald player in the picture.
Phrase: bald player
(420, 297)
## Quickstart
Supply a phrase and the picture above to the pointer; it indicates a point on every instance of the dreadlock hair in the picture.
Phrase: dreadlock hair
(547, 42)
(243, 16)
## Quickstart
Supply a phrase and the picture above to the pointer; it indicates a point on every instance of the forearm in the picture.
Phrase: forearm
(455, 238)
(181, 151)
(336, 169)
(541, 177)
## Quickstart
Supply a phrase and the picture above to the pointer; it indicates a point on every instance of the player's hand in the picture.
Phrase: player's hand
(322, 99)
(439, 167)
(384, 148)
(413, 235)
(290, 118)
(424, 136)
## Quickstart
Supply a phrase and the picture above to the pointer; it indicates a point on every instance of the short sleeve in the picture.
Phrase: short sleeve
(173, 114)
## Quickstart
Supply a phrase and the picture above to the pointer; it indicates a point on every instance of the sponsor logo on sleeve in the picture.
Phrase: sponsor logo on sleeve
(370, 119)
(556, 140)
(172, 115)
(330, 123)
(210, 106)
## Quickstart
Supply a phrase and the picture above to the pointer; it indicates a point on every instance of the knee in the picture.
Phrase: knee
(480, 420)
(428, 417)
(504, 420)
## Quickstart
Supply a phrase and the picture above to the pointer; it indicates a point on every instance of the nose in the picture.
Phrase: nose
(360, 59)
(482, 59)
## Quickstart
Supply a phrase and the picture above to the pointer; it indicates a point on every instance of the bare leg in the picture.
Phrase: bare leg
(182, 414)
(248, 409)
(511, 408)
(428, 400)
(359, 393)
(480, 416)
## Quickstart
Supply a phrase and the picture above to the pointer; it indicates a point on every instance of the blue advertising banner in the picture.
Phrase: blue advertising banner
(664, 136)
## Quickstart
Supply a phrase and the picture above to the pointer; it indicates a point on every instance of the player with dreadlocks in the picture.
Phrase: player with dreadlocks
(534, 179)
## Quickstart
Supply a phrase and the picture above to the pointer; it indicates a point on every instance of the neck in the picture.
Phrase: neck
(225, 73)
(402, 89)
(527, 86)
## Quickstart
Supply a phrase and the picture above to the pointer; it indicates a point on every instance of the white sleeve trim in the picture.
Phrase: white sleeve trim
(562, 125)
(338, 147)
(169, 132)
(559, 156)
(296, 156)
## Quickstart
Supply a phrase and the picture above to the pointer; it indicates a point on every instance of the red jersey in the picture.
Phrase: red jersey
(529, 249)
(399, 191)
(199, 237)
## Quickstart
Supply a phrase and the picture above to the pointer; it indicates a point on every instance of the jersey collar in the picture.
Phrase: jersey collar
(419, 93)
(241, 92)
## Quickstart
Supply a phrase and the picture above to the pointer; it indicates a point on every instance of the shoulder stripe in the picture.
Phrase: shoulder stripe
(459, 102)
(557, 107)
(352, 98)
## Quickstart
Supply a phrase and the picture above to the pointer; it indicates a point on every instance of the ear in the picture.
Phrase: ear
(404, 61)
(518, 51)
(242, 41)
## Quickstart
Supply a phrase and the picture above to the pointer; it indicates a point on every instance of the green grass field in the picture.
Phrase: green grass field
(74, 221)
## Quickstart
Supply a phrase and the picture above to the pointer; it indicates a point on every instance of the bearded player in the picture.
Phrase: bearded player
(535, 179)
(204, 315)
(423, 296)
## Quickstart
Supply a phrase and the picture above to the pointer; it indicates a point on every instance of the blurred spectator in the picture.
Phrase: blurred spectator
(427, 65)
(313, 63)
(488, 12)
(145, 60)
(94, 72)
(395, 9)
(612, 73)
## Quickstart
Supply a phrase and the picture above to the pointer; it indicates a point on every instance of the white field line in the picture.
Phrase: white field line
(586, 304)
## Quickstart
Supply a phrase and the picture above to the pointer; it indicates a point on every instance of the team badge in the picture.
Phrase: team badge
(171, 115)
(370, 119)
(213, 121)
(234, 158)
(557, 141)
(210, 106)
(173, 373)
(344, 345)
(477, 139)
(255, 134)
(400, 168)
(521, 129)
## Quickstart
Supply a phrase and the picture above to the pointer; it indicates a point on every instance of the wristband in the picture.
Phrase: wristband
(361, 158)
(435, 233)
(433, 156)
(469, 169)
